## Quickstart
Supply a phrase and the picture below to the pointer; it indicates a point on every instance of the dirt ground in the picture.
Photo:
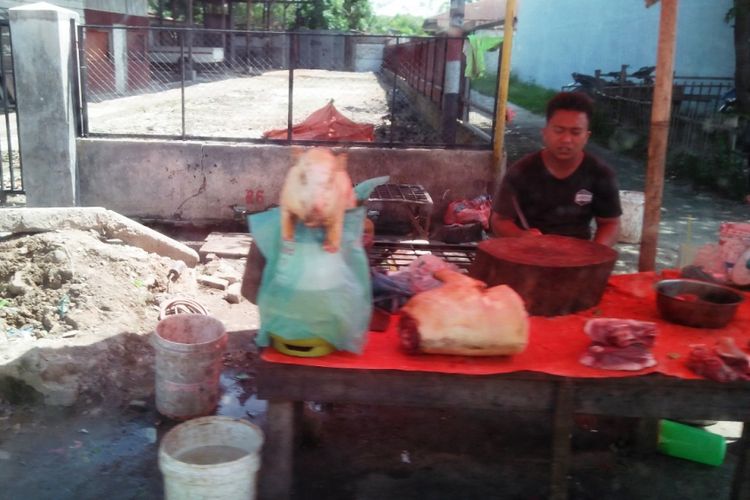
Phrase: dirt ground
(245, 107)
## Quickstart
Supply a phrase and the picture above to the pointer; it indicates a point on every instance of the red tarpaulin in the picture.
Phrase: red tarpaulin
(327, 124)
(555, 344)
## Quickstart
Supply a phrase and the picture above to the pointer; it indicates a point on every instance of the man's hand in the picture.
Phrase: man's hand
(607, 231)
(505, 227)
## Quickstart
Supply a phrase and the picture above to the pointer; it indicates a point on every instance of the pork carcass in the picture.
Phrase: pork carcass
(619, 344)
(464, 317)
(317, 191)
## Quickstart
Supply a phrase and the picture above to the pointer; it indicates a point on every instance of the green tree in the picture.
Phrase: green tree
(401, 24)
(342, 15)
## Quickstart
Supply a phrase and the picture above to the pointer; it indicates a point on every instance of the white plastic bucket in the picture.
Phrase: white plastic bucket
(211, 458)
(188, 364)
(631, 222)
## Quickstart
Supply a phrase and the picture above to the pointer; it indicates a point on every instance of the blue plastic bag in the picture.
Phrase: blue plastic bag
(306, 292)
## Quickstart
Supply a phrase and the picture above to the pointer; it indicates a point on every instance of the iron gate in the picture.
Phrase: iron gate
(11, 171)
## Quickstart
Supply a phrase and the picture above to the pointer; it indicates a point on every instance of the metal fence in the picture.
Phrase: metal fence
(696, 124)
(11, 169)
(421, 64)
(209, 84)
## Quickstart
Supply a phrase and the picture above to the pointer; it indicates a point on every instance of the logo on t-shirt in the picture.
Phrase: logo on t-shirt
(583, 197)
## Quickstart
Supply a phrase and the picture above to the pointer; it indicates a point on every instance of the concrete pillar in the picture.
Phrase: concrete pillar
(42, 54)
(120, 57)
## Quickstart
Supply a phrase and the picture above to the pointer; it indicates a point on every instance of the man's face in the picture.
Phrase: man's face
(566, 134)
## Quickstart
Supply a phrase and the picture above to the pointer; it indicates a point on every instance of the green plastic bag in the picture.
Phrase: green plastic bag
(306, 292)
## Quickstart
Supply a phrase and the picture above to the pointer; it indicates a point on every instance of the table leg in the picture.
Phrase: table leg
(740, 486)
(275, 476)
(562, 429)
(647, 435)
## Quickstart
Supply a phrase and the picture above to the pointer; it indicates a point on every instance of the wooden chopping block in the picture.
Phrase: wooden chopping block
(554, 275)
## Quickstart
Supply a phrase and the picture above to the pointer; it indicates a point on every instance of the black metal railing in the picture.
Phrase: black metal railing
(696, 121)
(211, 84)
(11, 167)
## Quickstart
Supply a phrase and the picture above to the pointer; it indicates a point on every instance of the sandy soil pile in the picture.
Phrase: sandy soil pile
(77, 310)
(60, 284)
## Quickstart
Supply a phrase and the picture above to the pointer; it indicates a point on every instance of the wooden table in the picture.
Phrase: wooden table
(650, 397)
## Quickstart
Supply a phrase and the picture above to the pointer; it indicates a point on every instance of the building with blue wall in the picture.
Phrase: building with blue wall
(557, 37)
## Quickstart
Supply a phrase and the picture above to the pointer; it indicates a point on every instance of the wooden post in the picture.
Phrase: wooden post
(657, 144)
(498, 142)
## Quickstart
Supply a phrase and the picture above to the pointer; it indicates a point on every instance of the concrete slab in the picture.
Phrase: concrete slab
(108, 223)
(226, 245)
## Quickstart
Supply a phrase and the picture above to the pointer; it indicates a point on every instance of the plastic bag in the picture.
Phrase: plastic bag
(468, 211)
(306, 292)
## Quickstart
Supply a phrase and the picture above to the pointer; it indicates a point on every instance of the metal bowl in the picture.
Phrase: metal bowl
(697, 303)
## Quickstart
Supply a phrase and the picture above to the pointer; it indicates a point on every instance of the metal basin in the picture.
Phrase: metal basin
(697, 303)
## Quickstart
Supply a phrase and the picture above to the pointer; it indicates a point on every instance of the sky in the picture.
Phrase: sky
(421, 8)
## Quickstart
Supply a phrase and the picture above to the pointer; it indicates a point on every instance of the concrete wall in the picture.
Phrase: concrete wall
(201, 182)
(554, 39)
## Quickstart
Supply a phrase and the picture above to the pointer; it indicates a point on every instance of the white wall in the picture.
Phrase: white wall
(554, 39)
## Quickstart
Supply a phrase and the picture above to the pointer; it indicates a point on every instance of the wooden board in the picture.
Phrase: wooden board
(554, 275)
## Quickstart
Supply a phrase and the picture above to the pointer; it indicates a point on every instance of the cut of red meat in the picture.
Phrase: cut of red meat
(620, 332)
(619, 344)
(732, 356)
(706, 363)
(633, 357)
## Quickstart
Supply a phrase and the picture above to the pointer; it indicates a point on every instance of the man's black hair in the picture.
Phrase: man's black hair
(571, 101)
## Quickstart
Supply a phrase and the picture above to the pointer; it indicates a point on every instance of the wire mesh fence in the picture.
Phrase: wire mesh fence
(241, 85)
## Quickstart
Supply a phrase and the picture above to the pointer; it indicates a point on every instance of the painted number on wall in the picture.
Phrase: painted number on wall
(254, 197)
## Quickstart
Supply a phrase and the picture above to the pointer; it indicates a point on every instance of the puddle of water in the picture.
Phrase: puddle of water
(235, 401)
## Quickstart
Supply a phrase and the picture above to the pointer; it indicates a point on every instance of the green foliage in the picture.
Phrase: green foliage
(721, 170)
(602, 127)
(340, 15)
(401, 24)
(529, 96)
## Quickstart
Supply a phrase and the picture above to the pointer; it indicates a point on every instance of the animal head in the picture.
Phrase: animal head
(314, 176)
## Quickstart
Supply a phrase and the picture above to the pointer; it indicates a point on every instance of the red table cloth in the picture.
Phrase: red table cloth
(555, 344)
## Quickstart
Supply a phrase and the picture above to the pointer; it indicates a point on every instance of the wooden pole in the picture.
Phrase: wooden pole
(498, 142)
(661, 109)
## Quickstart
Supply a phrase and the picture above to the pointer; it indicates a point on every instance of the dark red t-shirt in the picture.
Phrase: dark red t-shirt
(559, 206)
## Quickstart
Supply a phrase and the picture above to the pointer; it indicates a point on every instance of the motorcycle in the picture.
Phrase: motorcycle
(728, 101)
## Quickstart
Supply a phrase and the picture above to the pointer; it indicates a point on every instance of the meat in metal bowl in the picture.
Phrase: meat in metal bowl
(697, 303)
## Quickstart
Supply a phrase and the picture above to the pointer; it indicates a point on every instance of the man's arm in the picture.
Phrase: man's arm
(607, 230)
(505, 227)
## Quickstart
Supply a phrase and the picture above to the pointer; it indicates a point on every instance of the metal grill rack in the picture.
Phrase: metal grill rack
(393, 256)
(411, 193)
(415, 202)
